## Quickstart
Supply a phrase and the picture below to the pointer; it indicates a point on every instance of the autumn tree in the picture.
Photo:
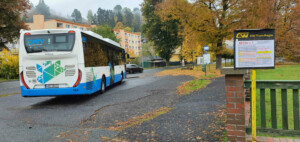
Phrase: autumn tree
(212, 21)
(164, 34)
(119, 26)
(11, 22)
(9, 65)
(281, 15)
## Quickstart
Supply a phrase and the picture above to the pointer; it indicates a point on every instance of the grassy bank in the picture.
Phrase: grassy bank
(191, 86)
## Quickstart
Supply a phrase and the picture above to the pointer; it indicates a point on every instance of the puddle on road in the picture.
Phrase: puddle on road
(7, 95)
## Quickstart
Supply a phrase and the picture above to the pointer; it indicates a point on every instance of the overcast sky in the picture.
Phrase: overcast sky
(66, 7)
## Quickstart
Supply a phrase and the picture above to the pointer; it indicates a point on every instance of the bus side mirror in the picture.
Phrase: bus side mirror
(127, 55)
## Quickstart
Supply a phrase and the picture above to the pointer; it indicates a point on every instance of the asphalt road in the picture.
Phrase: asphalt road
(87, 118)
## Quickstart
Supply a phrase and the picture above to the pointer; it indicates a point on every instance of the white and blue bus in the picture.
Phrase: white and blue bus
(58, 62)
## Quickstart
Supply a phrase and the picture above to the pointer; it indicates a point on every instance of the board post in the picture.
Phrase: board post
(253, 103)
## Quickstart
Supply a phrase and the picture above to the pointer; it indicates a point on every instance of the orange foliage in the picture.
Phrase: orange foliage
(281, 15)
(211, 22)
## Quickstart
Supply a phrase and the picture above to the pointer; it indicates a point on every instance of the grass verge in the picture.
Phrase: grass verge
(281, 72)
(120, 126)
(201, 80)
(191, 86)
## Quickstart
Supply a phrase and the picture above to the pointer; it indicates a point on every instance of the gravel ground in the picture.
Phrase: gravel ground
(193, 119)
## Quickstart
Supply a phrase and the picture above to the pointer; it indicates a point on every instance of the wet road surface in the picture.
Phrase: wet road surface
(88, 118)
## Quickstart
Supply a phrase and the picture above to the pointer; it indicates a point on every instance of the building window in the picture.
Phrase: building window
(81, 28)
(125, 33)
(67, 26)
(126, 40)
(75, 27)
(60, 25)
(129, 35)
(129, 47)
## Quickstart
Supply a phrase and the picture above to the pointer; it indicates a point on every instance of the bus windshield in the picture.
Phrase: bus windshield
(49, 42)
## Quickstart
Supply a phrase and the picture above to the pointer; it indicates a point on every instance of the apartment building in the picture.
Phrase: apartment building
(131, 41)
(40, 23)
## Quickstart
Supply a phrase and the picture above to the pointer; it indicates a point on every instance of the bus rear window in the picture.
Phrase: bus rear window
(49, 42)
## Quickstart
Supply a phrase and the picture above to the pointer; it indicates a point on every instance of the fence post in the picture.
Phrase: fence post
(235, 104)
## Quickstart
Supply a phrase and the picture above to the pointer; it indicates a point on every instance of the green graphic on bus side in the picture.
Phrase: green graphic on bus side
(94, 76)
(49, 70)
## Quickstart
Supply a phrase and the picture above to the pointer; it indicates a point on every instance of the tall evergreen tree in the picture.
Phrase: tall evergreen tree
(77, 16)
(118, 8)
(118, 13)
(137, 20)
(111, 18)
(43, 9)
(90, 17)
(128, 17)
(100, 16)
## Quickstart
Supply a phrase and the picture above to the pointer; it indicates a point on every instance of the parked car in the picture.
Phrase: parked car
(132, 68)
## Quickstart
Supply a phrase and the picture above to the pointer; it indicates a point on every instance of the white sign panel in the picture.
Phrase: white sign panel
(206, 58)
(199, 60)
(254, 49)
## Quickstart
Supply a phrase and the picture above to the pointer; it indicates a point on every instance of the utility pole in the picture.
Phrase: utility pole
(142, 57)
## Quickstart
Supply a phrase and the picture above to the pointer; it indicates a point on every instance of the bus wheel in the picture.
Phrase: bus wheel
(103, 86)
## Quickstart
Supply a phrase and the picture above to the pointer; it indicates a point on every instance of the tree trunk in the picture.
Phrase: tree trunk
(219, 61)
(218, 54)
